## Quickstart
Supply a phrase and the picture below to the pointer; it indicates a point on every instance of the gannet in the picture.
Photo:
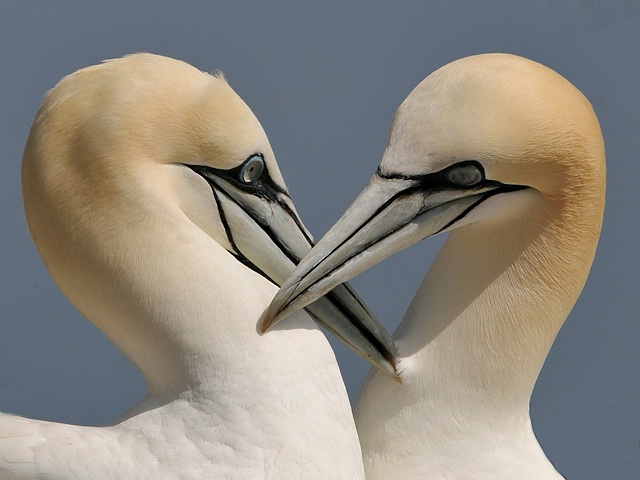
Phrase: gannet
(153, 196)
(507, 156)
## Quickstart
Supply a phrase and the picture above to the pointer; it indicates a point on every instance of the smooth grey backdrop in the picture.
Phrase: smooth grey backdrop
(325, 80)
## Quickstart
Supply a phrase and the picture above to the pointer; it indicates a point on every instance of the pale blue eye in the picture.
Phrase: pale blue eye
(252, 170)
(465, 176)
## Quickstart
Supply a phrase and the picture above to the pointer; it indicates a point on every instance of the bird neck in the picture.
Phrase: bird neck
(476, 336)
(186, 313)
(178, 305)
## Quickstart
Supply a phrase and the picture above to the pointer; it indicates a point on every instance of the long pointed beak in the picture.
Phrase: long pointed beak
(267, 235)
(392, 213)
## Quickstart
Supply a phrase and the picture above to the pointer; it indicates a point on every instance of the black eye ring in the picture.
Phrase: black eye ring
(252, 170)
(465, 175)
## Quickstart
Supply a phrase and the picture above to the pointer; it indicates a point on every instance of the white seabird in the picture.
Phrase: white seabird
(154, 198)
(508, 156)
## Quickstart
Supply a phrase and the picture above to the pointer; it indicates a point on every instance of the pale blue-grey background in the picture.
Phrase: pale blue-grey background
(325, 80)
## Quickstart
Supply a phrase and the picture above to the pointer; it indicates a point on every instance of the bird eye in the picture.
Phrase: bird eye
(465, 175)
(252, 170)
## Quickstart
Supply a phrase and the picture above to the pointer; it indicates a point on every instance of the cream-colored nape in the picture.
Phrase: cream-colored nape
(154, 197)
(508, 157)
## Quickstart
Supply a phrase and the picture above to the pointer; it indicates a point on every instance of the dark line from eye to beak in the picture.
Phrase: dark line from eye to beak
(236, 251)
(265, 228)
(432, 178)
(423, 182)
(436, 181)
(486, 196)
(223, 219)
(265, 189)
(379, 210)
(332, 297)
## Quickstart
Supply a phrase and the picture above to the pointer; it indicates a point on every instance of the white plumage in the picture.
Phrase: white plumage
(154, 198)
(508, 156)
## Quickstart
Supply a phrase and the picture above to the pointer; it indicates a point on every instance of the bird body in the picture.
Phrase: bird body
(153, 194)
(508, 157)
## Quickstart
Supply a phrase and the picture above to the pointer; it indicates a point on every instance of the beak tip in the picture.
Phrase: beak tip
(273, 315)
(391, 369)
(269, 320)
(278, 309)
(265, 326)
